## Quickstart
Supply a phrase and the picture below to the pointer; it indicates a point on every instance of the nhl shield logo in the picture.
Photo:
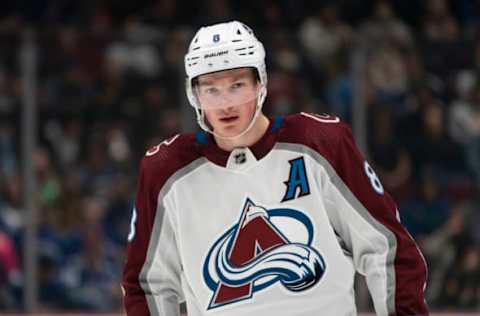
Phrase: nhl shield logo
(255, 253)
(216, 38)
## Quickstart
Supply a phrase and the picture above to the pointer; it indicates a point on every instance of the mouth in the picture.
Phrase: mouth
(229, 119)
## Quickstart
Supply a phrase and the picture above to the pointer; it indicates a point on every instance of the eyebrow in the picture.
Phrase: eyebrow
(235, 77)
(205, 83)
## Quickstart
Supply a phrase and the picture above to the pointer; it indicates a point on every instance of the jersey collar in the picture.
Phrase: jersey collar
(260, 149)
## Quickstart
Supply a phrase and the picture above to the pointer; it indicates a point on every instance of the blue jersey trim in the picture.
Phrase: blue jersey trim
(201, 138)
(277, 123)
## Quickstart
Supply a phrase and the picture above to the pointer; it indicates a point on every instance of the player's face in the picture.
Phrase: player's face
(229, 99)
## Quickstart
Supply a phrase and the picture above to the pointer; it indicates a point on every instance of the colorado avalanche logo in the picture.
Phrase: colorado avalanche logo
(259, 251)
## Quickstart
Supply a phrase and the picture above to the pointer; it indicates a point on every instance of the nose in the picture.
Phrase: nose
(225, 101)
(225, 109)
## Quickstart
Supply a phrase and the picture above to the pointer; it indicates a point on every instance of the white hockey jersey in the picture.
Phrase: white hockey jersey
(278, 228)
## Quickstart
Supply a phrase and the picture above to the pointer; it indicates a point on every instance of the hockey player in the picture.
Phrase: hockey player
(259, 216)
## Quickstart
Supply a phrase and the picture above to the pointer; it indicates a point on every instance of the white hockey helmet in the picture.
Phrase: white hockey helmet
(220, 47)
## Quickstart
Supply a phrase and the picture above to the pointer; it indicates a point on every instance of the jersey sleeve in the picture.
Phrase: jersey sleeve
(151, 276)
(365, 219)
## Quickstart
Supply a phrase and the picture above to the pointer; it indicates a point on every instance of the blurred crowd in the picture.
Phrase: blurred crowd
(111, 83)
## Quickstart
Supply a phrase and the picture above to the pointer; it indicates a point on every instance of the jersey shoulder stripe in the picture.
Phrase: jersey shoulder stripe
(163, 160)
(322, 133)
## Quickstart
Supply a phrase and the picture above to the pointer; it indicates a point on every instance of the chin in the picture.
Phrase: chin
(231, 131)
(224, 133)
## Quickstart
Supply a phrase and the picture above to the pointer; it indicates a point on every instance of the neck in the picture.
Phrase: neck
(258, 129)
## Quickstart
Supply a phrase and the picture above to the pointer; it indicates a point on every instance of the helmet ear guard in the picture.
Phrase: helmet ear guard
(221, 47)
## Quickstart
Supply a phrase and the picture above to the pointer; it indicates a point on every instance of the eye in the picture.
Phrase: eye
(237, 85)
(210, 91)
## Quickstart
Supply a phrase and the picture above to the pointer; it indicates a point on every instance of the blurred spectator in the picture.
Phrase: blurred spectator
(339, 92)
(116, 220)
(389, 45)
(52, 296)
(9, 272)
(465, 122)
(47, 179)
(428, 209)
(136, 53)
(8, 155)
(385, 28)
(432, 147)
(66, 141)
(98, 172)
(322, 36)
(285, 84)
(463, 282)
(388, 155)
(90, 275)
(284, 93)
(163, 14)
(388, 77)
(476, 57)
(213, 11)
(439, 24)
(444, 250)
(443, 47)
(11, 189)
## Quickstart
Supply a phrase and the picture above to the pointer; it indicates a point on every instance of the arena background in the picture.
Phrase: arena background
(87, 86)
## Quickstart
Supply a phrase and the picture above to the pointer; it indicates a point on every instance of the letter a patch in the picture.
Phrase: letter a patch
(297, 183)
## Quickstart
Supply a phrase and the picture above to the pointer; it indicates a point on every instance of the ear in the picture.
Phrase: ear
(258, 87)
(205, 119)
